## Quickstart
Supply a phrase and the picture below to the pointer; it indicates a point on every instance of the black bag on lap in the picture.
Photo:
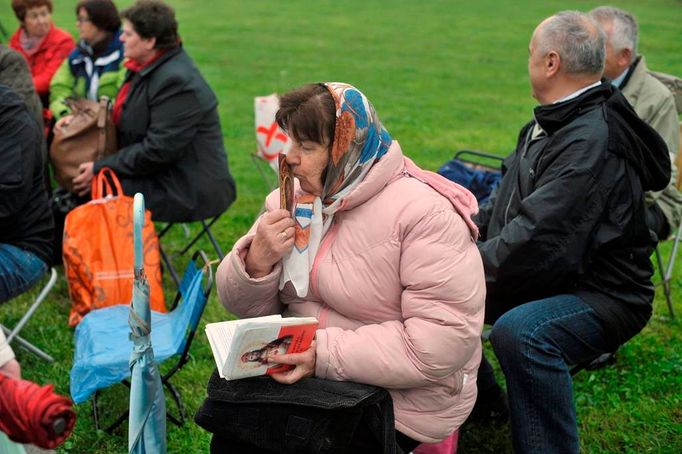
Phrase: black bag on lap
(260, 415)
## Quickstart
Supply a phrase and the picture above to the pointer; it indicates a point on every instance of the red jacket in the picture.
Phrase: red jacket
(46, 60)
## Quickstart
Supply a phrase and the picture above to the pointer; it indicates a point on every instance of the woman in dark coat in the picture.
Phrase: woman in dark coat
(168, 127)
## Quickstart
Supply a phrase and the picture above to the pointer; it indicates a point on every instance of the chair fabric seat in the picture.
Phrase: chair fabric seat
(103, 346)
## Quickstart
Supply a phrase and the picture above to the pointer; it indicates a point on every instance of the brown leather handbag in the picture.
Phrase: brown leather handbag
(89, 136)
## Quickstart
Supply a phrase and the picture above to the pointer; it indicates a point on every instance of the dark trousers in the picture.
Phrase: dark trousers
(536, 344)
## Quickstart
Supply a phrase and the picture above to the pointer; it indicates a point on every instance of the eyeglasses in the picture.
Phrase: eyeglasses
(81, 20)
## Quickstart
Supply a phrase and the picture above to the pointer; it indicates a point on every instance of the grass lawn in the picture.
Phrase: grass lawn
(443, 75)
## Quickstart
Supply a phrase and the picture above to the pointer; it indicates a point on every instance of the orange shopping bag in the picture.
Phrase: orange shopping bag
(98, 251)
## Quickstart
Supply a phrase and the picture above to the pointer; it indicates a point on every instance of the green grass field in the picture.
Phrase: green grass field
(443, 75)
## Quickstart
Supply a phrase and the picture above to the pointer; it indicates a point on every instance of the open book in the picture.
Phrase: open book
(241, 348)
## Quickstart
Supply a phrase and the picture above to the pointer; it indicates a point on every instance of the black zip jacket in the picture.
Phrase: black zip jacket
(172, 145)
(569, 215)
(25, 215)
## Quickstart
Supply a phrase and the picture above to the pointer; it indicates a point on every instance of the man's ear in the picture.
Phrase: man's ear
(552, 63)
(624, 58)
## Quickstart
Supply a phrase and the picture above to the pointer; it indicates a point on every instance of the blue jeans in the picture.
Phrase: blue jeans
(19, 271)
(536, 344)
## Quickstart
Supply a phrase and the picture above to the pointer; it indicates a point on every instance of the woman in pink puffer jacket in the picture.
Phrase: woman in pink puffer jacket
(381, 252)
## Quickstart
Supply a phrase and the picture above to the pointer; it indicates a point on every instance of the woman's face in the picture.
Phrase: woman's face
(37, 21)
(136, 47)
(308, 162)
(88, 31)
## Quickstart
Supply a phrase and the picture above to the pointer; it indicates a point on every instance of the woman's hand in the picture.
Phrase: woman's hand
(304, 365)
(83, 181)
(63, 122)
(274, 238)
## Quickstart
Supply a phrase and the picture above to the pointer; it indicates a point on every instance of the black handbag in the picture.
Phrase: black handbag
(311, 416)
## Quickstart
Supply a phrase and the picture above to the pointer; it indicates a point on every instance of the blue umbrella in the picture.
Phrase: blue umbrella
(147, 422)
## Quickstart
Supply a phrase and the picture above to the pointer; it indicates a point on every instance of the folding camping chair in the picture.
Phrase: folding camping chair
(102, 347)
(477, 171)
(13, 334)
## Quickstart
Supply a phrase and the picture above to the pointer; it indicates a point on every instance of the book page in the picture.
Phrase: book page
(220, 337)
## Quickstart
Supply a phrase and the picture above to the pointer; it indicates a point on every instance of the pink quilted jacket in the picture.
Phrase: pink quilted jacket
(399, 290)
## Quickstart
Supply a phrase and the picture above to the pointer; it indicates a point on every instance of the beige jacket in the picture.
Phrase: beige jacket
(655, 104)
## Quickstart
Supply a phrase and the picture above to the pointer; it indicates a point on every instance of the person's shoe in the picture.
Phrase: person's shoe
(602, 361)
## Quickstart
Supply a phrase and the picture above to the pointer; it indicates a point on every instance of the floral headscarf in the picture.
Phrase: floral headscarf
(360, 140)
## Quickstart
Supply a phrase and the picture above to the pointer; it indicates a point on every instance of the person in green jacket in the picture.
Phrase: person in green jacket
(94, 68)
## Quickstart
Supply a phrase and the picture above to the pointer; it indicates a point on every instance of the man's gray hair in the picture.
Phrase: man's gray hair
(625, 31)
(578, 40)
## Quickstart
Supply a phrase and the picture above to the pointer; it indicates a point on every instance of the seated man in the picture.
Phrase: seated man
(564, 242)
(652, 101)
(26, 225)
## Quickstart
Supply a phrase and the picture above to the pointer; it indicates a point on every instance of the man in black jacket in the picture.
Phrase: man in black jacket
(26, 226)
(564, 241)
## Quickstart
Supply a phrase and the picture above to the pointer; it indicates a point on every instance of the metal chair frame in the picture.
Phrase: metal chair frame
(165, 378)
(205, 230)
(472, 157)
(666, 270)
(13, 334)
(271, 181)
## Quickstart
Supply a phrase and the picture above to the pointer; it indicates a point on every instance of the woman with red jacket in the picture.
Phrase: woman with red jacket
(42, 44)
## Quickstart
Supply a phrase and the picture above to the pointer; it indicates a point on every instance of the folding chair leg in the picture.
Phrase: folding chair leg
(169, 267)
(669, 270)
(13, 334)
(43, 294)
(211, 238)
(95, 415)
(29, 346)
(668, 299)
(269, 182)
(178, 402)
(110, 429)
(205, 229)
(665, 279)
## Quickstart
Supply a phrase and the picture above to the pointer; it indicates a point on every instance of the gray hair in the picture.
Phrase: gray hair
(578, 40)
(624, 34)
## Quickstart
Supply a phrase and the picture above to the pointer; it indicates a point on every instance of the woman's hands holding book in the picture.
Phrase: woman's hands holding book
(304, 365)
(274, 238)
